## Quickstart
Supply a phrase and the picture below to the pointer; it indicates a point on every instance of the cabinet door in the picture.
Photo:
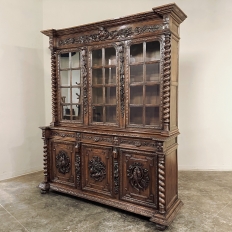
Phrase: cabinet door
(63, 163)
(97, 169)
(139, 177)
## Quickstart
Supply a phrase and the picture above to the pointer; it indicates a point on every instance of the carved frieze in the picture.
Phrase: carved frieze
(62, 134)
(103, 34)
(63, 162)
(138, 176)
(97, 169)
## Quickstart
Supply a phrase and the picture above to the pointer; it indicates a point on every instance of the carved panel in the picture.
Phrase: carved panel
(139, 177)
(103, 34)
(78, 164)
(63, 134)
(97, 169)
(84, 74)
(63, 162)
(97, 138)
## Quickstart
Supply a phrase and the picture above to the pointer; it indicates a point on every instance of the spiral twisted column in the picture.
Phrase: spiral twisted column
(166, 81)
(161, 178)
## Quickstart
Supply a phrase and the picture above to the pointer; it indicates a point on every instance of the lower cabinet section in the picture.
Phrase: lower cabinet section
(139, 177)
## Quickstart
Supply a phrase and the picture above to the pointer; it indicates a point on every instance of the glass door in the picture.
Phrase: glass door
(144, 84)
(70, 86)
(103, 83)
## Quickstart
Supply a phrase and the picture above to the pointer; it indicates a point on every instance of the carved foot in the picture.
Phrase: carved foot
(160, 227)
(44, 187)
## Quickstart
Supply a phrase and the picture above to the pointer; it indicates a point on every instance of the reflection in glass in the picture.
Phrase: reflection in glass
(136, 95)
(110, 56)
(136, 115)
(67, 112)
(152, 95)
(136, 53)
(152, 72)
(110, 75)
(110, 95)
(152, 51)
(136, 73)
(111, 114)
(97, 76)
(65, 95)
(64, 60)
(97, 95)
(64, 78)
(76, 112)
(97, 57)
(75, 60)
(97, 114)
(76, 77)
(152, 115)
(76, 95)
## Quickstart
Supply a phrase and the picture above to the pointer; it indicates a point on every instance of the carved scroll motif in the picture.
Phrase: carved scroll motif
(138, 176)
(166, 81)
(84, 77)
(161, 178)
(78, 164)
(103, 34)
(122, 79)
(97, 169)
(63, 162)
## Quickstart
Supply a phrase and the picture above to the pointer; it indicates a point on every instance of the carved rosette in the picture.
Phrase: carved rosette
(84, 78)
(78, 164)
(63, 162)
(122, 79)
(53, 79)
(166, 81)
(161, 181)
(97, 169)
(138, 176)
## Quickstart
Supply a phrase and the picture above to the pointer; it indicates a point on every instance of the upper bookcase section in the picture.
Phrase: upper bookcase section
(160, 19)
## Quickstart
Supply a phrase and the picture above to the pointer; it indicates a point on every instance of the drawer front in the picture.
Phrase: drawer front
(63, 135)
(97, 169)
(63, 160)
(139, 177)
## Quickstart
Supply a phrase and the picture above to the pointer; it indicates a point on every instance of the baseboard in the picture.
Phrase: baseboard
(211, 168)
(9, 175)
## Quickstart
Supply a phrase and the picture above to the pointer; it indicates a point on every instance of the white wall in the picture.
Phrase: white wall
(22, 87)
(205, 108)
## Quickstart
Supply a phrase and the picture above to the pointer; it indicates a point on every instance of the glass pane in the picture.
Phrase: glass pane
(76, 77)
(65, 95)
(75, 60)
(111, 114)
(76, 95)
(97, 95)
(136, 73)
(152, 116)
(111, 95)
(76, 112)
(66, 112)
(153, 51)
(97, 114)
(136, 53)
(97, 76)
(136, 115)
(110, 75)
(152, 95)
(64, 78)
(110, 56)
(152, 72)
(64, 60)
(136, 95)
(97, 57)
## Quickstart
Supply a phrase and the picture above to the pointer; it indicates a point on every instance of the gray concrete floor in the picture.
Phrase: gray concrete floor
(207, 198)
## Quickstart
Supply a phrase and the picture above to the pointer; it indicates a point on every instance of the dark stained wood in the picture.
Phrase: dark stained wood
(113, 135)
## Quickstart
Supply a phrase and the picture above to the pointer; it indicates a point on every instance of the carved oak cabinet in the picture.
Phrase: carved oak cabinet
(113, 137)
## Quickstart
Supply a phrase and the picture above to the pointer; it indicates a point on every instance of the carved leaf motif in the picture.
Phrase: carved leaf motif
(138, 176)
(63, 162)
(97, 169)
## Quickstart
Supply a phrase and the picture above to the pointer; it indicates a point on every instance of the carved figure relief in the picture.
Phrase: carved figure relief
(138, 176)
(97, 169)
(63, 162)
